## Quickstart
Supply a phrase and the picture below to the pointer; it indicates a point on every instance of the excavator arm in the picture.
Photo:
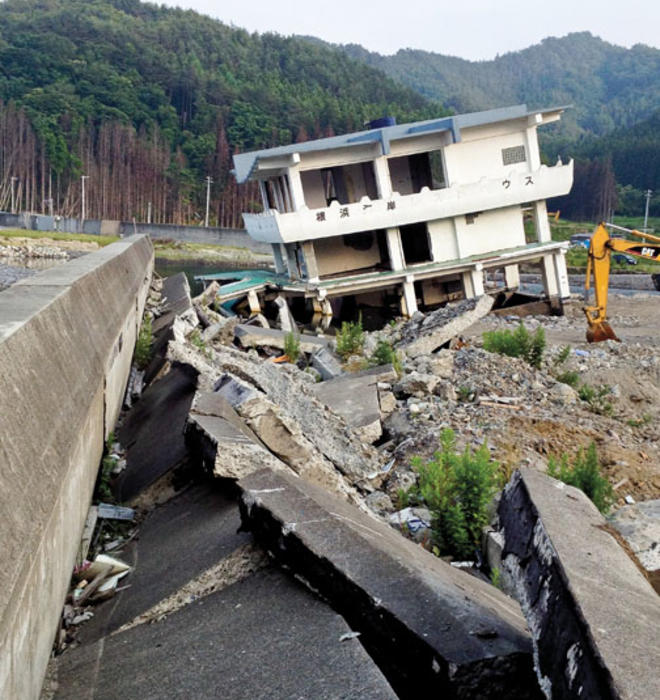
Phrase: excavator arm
(601, 248)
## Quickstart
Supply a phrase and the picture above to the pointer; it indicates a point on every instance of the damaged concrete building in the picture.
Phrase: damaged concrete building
(409, 215)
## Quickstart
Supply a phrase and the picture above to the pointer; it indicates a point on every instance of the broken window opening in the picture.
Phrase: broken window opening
(345, 184)
(276, 194)
(416, 243)
(409, 174)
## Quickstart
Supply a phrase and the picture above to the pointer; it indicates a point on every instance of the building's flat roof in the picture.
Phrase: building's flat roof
(246, 163)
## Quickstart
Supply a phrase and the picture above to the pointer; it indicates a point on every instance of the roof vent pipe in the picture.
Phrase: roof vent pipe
(380, 123)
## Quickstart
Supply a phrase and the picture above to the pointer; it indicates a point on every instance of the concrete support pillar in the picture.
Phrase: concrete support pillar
(310, 261)
(291, 261)
(511, 276)
(457, 238)
(295, 185)
(532, 146)
(561, 274)
(473, 282)
(253, 301)
(280, 267)
(550, 283)
(541, 222)
(382, 175)
(409, 300)
(395, 249)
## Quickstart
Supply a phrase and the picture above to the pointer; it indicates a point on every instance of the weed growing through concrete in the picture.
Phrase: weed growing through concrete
(519, 343)
(292, 346)
(457, 488)
(108, 463)
(142, 353)
(584, 473)
(350, 338)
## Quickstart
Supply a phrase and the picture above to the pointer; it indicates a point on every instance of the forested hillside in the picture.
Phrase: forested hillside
(612, 129)
(146, 101)
(607, 85)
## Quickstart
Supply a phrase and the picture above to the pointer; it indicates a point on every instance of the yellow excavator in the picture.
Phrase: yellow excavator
(601, 247)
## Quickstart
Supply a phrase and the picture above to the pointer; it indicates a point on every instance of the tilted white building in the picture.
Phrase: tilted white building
(412, 213)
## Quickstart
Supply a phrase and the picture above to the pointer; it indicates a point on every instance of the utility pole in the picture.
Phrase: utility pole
(208, 200)
(647, 194)
(82, 179)
(13, 194)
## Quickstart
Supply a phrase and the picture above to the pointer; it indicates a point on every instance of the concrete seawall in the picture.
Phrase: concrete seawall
(66, 342)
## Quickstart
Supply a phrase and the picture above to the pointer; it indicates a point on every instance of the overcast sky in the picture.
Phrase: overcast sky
(472, 29)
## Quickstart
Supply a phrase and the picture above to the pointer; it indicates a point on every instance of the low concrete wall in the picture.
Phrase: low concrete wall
(235, 238)
(66, 342)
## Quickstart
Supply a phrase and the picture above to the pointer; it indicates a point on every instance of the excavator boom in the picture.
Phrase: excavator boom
(601, 248)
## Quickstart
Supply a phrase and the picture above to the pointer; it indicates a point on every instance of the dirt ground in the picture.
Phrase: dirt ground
(627, 439)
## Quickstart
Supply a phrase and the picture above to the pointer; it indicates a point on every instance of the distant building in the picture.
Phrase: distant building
(411, 214)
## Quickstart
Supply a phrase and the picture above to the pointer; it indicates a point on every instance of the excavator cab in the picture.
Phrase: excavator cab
(601, 248)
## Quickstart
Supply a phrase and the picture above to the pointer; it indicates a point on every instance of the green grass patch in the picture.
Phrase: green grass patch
(519, 343)
(584, 473)
(56, 236)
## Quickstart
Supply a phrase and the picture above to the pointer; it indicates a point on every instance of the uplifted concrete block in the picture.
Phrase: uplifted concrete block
(326, 363)
(434, 629)
(355, 398)
(226, 446)
(594, 618)
(424, 335)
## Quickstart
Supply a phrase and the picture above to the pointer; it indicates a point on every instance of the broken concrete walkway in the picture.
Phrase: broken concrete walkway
(434, 629)
(251, 633)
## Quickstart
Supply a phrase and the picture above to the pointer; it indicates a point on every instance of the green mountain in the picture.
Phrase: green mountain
(145, 100)
(608, 86)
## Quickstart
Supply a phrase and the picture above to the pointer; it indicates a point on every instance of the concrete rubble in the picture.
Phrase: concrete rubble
(424, 334)
(593, 616)
(639, 524)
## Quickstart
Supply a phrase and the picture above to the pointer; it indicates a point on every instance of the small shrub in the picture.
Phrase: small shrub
(385, 354)
(596, 398)
(570, 378)
(292, 346)
(350, 338)
(457, 488)
(465, 393)
(519, 343)
(584, 474)
(639, 422)
(142, 352)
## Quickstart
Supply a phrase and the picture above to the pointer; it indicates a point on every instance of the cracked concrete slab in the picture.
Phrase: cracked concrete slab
(152, 431)
(264, 638)
(432, 627)
(177, 542)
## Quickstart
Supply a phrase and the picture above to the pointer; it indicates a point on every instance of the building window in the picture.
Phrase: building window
(515, 154)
